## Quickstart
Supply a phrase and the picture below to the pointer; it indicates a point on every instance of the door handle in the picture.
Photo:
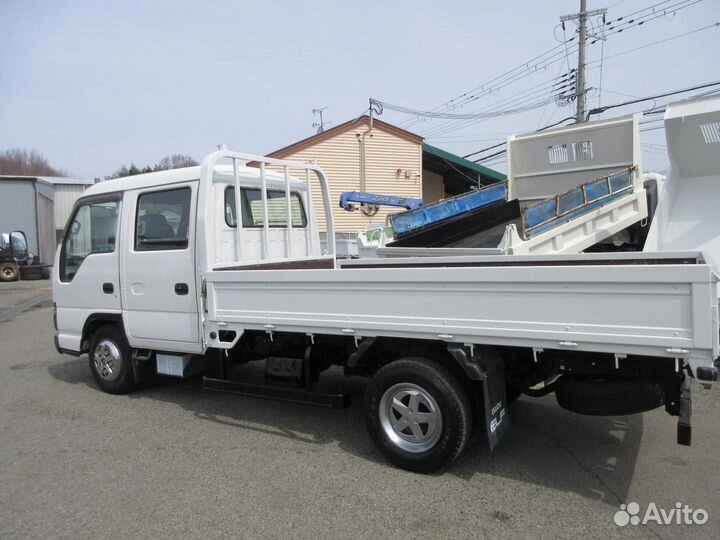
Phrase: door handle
(108, 288)
(181, 289)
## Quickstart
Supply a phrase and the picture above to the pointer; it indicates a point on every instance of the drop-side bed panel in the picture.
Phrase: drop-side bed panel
(664, 310)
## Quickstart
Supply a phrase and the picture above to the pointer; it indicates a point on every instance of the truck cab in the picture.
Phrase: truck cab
(130, 254)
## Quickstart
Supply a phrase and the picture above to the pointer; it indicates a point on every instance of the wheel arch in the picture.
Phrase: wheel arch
(95, 321)
(456, 357)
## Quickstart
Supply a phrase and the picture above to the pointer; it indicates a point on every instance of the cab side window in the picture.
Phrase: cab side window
(92, 230)
(162, 220)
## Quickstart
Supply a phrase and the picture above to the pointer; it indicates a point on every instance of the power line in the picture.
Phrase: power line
(504, 143)
(455, 116)
(509, 77)
(451, 127)
(625, 21)
(485, 149)
(500, 82)
(677, 36)
(558, 85)
(599, 110)
(528, 100)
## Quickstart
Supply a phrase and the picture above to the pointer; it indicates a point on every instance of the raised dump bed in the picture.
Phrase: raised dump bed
(567, 190)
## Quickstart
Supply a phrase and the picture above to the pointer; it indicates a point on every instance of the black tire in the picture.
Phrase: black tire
(107, 345)
(31, 272)
(608, 397)
(512, 393)
(435, 383)
(9, 272)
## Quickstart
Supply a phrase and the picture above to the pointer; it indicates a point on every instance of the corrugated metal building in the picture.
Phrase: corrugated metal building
(39, 206)
(26, 204)
(383, 159)
(67, 191)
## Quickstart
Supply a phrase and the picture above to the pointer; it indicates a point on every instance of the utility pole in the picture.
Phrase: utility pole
(580, 114)
(580, 91)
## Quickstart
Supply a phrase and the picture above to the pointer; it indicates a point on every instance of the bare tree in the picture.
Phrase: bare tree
(175, 161)
(27, 163)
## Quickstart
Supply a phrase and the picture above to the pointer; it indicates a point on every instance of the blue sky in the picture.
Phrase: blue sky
(94, 85)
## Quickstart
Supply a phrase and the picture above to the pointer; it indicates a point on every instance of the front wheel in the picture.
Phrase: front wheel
(9, 272)
(111, 360)
(418, 414)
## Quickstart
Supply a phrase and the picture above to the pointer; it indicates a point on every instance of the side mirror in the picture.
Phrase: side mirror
(18, 245)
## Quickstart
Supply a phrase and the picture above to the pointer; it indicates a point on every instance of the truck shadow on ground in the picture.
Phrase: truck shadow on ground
(546, 445)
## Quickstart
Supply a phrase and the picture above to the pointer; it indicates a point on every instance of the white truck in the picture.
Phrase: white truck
(208, 268)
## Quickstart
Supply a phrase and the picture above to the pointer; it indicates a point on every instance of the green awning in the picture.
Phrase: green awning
(456, 169)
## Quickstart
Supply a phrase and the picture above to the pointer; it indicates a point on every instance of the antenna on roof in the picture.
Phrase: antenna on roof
(320, 125)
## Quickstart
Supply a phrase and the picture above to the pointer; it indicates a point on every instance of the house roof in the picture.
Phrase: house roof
(50, 179)
(457, 171)
(341, 128)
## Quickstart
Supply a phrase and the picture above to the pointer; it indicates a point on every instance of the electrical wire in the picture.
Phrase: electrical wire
(560, 86)
(453, 122)
(677, 36)
(625, 23)
(599, 110)
(500, 81)
(503, 143)
(454, 116)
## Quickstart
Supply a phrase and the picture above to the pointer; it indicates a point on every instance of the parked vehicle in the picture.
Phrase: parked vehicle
(16, 262)
(13, 254)
(208, 268)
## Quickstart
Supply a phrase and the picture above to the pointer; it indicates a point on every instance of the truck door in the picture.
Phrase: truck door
(86, 274)
(158, 268)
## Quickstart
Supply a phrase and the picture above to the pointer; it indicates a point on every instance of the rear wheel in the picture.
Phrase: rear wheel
(9, 272)
(111, 361)
(608, 397)
(418, 414)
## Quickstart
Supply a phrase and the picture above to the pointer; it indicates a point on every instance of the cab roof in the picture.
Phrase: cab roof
(249, 176)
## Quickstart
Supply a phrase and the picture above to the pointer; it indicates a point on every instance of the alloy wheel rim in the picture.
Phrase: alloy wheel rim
(107, 360)
(410, 417)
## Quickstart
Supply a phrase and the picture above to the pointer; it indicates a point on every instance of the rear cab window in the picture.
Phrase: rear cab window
(252, 208)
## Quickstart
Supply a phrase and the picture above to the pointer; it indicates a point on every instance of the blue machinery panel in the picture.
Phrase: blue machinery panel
(362, 197)
(566, 206)
(455, 206)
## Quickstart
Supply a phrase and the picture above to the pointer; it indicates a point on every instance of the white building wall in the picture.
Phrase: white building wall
(65, 197)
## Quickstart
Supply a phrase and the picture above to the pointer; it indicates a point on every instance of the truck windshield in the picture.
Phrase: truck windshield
(19, 245)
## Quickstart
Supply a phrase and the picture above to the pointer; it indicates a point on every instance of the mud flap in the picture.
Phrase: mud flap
(684, 428)
(497, 420)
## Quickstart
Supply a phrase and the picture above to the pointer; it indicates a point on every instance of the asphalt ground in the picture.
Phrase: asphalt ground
(174, 461)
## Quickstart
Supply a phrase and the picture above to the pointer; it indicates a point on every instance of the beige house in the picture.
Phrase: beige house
(383, 159)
